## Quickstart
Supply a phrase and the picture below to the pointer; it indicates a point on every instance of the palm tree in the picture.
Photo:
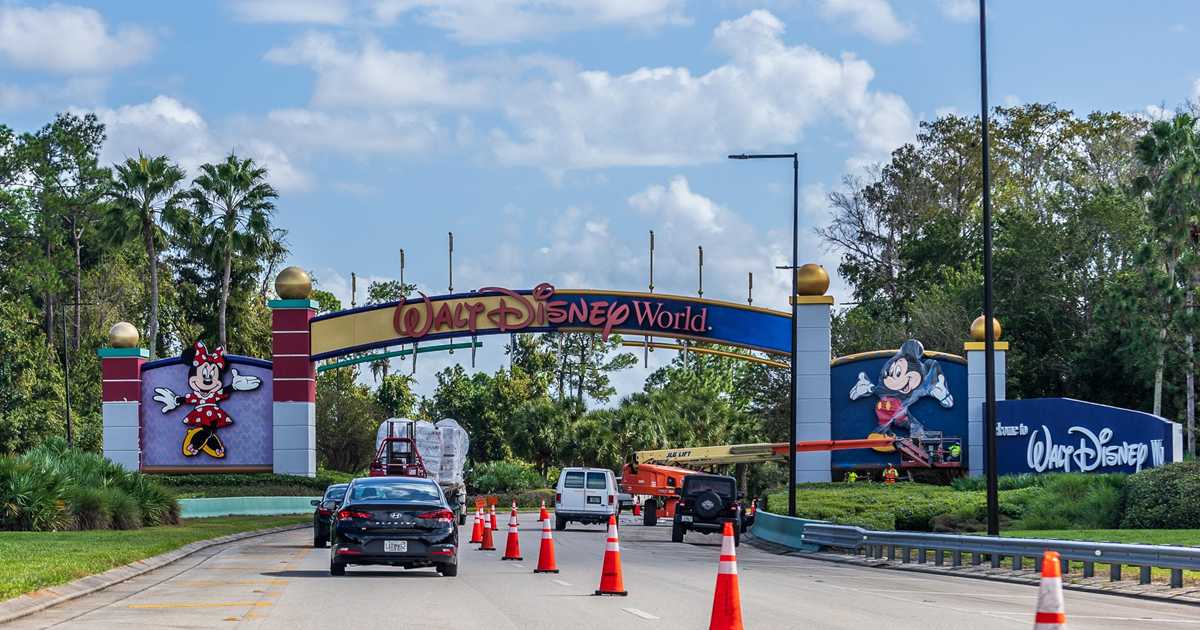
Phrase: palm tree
(143, 191)
(234, 202)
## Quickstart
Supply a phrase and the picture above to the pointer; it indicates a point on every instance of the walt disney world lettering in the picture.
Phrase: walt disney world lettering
(513, 311)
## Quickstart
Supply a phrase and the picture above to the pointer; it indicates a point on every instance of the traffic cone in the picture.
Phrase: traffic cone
(495, 527)
(1050, 611)
(487, 543)
(544, 515)
(546, 563)
(477, 529)
(512, 547)
(611, 582)
(727, 599)
(637, 508)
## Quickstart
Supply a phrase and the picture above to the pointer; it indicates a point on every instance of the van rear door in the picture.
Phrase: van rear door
(598, 491)
(573, 491)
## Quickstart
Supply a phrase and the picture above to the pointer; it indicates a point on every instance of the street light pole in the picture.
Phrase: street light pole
(795, 158)
(989, 343)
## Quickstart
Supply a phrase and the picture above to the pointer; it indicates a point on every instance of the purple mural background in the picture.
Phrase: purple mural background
(248, 441)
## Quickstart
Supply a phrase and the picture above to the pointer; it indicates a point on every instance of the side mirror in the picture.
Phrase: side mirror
(315, 502)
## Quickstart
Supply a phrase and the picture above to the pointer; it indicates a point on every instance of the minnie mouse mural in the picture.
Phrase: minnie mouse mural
(207, 392)
(906, 377)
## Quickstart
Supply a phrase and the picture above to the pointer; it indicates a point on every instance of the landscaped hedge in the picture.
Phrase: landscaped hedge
(54, 488)
(504, 477)
(251, 484)
(1167, 497)
(526, 499)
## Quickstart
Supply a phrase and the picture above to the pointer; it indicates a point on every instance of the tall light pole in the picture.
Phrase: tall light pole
(989, 343)
(795, 158)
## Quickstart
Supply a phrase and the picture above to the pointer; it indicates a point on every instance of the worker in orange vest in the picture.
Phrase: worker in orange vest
(890, 475)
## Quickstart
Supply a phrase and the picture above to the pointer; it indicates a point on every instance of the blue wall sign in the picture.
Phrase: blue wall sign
(1044, 435)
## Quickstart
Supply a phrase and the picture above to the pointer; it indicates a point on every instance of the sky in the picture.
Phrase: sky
(550, 136)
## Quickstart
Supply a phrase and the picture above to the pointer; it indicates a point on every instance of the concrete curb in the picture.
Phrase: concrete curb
(1189, 596)
(29, 603)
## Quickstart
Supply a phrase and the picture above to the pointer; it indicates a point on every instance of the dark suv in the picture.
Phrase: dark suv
(706, 503)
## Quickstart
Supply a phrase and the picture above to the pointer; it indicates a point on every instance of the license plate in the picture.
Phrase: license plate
(593, 500)
(685, 519)
(395, 546)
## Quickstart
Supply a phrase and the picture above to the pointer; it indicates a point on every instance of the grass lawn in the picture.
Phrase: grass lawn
(1137, 536)
(908, 506)
(33, 560)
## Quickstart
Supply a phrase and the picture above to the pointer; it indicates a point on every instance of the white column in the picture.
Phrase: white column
(812, 384)
(976, 396)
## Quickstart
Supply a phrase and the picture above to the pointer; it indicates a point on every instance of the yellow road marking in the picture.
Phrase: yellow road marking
(230, 582)
(201, 605)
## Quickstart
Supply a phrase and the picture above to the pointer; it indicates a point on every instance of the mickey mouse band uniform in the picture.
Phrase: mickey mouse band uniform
(207, 392)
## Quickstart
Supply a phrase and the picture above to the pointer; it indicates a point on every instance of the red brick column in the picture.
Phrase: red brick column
(121, 394)
(293, 374)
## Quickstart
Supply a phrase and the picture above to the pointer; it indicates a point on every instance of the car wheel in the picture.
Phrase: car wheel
(677, 532)
(559, 523)
(318, 540)
(448, 570)
(650, 513)
(336, 568)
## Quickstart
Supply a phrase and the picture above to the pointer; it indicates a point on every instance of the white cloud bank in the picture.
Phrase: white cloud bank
(68, 39)
(873, 18)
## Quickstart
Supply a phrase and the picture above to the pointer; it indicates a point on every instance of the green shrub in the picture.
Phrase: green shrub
(123, 510)
(526, 499)
(1076, 501)
(89, 508)
(1167, 497)
(1004, 482)
(501, 477)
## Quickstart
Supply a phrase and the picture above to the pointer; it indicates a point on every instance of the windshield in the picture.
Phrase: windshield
(395, 490)
(335, 493)
(720, 485)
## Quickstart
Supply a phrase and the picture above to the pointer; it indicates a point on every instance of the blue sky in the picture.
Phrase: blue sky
(551, 135)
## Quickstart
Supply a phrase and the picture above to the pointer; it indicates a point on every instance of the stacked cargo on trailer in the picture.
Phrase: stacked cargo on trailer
(418, 448)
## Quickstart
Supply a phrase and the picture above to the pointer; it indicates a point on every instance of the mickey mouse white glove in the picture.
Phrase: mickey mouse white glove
(941, 393)
(245, 383)
(862, 388)
(166, 397)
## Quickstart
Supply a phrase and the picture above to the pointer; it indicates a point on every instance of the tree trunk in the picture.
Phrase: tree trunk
(152, 261)
(582, 370)
(1191, 368)
(1162, 341)
(77, 237)
(225, 285)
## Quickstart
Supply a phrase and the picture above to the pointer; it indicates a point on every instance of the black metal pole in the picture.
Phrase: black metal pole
(795, 318)
(989, 344)
(67, 383)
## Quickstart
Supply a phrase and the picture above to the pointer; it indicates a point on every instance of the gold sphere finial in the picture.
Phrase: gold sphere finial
(811, 279)
(293, 283)
(123, 335)
(977, 329)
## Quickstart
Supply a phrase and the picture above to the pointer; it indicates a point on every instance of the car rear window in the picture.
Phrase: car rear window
(335, 494)
(597, 481)
(704, 484)
(401, 491)
(573, 480)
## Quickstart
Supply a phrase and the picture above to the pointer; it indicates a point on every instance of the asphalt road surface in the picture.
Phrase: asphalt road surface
(280, 581)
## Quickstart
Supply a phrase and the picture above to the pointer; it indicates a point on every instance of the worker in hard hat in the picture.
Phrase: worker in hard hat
(851, 477)
(890, 474)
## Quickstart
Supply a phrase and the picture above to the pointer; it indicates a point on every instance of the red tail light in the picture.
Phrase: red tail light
(438, 515)
(558, 497)
(324, 512)
(345, 515)
(610, 499)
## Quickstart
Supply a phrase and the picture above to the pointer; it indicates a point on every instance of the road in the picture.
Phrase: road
(280, 581)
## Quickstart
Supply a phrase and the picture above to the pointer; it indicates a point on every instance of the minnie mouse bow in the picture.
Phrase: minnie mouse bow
(203, 355)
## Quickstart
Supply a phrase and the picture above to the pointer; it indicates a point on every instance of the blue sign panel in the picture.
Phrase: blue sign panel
(1045, 435)
(896, 394)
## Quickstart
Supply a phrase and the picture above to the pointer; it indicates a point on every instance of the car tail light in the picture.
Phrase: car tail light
(449, 551)
(558, 497)
(438, 515)
(324, 512)
(610, 499)
(345, 515)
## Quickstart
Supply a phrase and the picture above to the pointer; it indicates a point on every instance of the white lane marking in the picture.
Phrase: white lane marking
(639, 613)
(562, 583)
(1103, 617)
(518, 565)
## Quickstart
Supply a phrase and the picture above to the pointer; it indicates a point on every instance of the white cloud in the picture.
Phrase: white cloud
(375, 76)
(44, 95)
(873, 18)
(164, 125)
(960, 10)
(496, 21)
(68, 39)
(370, 133)
(291, 11)
(767, 94)
(1196, 90)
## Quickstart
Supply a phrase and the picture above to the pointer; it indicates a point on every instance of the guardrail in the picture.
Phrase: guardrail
(976, 549)
(235, 506)
(783, 530)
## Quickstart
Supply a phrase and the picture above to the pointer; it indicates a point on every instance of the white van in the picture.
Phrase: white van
(584, 495)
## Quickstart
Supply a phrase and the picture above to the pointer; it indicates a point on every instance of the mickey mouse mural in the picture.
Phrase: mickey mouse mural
(207, 391)
(905, 378)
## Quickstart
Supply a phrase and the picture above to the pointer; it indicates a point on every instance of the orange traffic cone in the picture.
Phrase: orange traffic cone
(727, 599)
(487, 543)
(494, 525)
(637, 508)
(611, 582)
(512, 547)
(546, 563)
(477, 529)
(544, 515)
(1051, 613)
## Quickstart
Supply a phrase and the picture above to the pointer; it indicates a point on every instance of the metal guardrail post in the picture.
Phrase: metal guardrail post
(1089, 569)
(1114, 572)
(1144, 575)
(1176, 578)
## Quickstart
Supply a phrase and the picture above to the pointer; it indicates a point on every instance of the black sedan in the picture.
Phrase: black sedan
(324, 512)
(398, 521)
